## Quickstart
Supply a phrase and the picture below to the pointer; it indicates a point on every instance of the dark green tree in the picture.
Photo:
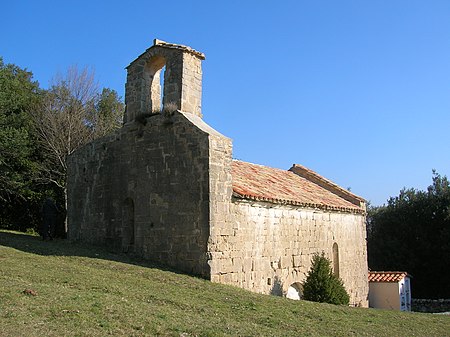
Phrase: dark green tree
(20, 153)
(321, 285)
(412, 233)
(18, 94)
(39, 129)
(109, 111)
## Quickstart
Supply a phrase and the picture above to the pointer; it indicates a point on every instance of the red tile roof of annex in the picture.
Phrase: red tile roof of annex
(262, 183)
(387, 276)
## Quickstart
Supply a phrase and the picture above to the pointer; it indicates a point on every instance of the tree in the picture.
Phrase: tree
(18, 93)
(62, 120)
(321, 285)
(412, 233)
(20, 154)
(73, 112)
(109, 112)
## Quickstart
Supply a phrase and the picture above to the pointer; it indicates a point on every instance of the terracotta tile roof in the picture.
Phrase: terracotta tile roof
(262, 183)
(387, 276)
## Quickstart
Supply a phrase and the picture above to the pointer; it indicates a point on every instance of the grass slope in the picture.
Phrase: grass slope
(86, 291)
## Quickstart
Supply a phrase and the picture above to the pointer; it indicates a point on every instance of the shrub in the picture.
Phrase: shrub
(322, 285)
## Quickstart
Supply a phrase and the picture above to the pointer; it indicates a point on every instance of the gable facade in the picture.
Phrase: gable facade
(165, 187)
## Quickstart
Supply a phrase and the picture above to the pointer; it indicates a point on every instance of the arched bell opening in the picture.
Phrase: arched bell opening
(154, 77)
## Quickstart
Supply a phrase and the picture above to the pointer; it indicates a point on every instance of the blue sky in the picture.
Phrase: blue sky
(357, 91)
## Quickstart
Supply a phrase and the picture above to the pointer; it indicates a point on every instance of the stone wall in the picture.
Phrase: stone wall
(145, 190)
(268, 247)
(191, 86)
(432, 306)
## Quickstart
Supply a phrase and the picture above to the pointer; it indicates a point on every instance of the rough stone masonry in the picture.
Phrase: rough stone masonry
(165, 187)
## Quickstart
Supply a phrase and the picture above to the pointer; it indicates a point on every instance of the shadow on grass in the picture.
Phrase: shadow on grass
(61, 247)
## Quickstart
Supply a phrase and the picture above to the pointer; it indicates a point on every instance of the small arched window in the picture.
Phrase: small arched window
(335, 259)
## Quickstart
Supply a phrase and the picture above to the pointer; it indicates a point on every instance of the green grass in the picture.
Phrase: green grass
(87, 291)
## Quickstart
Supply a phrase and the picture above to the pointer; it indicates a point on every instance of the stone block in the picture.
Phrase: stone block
(247, 264)
(297, 261)
(286, 262)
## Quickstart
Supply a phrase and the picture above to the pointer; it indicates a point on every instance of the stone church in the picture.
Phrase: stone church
(165, 187)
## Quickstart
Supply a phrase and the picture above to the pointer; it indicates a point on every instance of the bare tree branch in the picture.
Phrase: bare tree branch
(63, 119)
(73, 113)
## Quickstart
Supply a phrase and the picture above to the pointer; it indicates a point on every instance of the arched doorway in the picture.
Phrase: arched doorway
(295, 291)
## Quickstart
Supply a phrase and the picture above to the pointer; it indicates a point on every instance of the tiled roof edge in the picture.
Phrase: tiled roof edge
(356, 210)
(387, 276)
(388, 272)
(327, 184)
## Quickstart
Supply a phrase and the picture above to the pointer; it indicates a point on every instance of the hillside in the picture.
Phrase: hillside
(80, 290)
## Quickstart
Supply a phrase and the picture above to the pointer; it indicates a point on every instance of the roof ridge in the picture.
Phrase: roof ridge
(323, 182)
(273, 168)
